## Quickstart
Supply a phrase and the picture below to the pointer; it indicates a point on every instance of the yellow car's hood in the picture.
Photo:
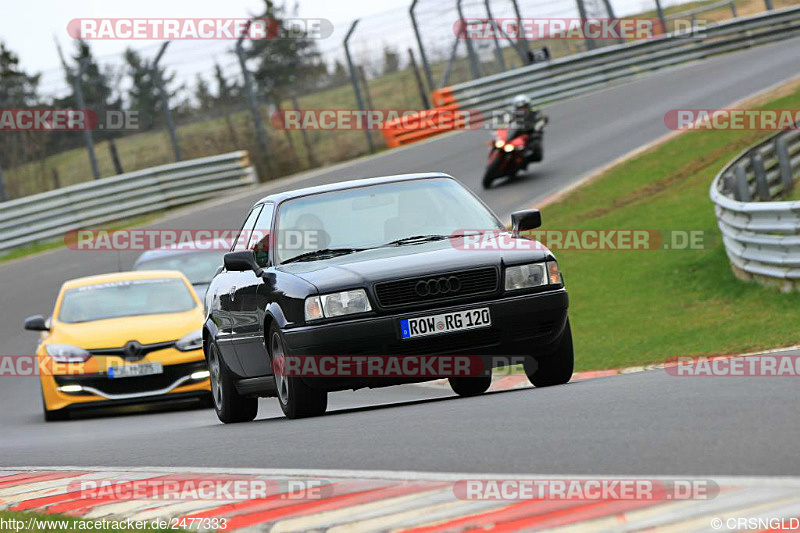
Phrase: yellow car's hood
(115, 332)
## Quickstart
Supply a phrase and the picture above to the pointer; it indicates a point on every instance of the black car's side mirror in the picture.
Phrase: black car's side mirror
(525, 220)
(241, 261)
(36, 323)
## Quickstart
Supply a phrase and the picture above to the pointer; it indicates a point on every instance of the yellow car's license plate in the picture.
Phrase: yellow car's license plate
(132, 371)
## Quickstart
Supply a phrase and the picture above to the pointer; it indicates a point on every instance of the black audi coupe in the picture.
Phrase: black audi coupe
(385, 270)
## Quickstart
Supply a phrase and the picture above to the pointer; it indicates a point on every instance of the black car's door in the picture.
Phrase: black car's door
(251, 299)
(226, 309)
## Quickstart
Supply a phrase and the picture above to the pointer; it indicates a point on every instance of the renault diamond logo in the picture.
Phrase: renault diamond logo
(132, 350)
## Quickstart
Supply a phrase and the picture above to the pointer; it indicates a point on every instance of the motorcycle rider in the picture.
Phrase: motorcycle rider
(524, 120)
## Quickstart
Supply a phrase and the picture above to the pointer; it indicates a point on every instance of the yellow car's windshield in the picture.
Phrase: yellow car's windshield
(125, 298)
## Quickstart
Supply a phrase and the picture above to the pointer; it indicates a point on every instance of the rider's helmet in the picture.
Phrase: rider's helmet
(521, 101)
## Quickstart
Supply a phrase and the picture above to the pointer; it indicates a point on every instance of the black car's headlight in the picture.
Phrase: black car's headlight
(532, 275)
(337, 304)
(191, 341)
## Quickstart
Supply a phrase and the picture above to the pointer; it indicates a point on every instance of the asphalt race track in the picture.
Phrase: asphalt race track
(645, 423)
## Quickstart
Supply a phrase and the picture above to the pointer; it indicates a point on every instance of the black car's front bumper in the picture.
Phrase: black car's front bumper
(522, 325)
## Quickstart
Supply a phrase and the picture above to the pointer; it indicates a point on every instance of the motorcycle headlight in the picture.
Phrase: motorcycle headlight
(191, 341)
(337, 304)
(508, 148)
(532, 275)
(67, 353)
(499, 143)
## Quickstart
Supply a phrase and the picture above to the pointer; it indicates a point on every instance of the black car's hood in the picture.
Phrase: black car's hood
(380, 264)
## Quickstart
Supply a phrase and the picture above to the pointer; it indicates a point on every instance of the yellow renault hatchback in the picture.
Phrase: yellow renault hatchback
(119, 339)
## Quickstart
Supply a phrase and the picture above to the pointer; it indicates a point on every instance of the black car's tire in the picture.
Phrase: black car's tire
(230, 406)
(297, 400)
(492, 172)
(472, 386)
(554, 368)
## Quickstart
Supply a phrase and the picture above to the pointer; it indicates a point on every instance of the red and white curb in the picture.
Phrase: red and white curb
(395, 501)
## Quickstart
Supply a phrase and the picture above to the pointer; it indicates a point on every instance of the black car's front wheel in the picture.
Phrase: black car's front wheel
(471, 386)
(231, 407)
(297, 399)
(554, 368)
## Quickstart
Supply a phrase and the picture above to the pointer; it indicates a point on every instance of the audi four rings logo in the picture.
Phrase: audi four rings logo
(438, 286)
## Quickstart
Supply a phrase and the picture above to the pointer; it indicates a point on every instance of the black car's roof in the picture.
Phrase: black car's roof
(286, 195)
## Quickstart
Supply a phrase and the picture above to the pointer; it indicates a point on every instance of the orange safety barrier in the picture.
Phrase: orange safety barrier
(424, 124)
(442, 97)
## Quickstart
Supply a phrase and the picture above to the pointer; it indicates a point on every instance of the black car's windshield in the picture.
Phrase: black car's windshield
(378, 215)
(125, 298)
(198, 267)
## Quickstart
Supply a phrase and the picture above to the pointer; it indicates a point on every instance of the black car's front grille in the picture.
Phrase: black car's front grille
(132, 385)
(437, 288)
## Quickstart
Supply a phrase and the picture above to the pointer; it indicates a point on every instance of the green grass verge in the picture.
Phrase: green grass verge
(635, 307)
(10, 521)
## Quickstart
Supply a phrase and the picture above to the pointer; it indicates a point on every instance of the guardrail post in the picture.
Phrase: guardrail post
(733, 9)
(312, 161)
(582, 12)
(768, 3)
(354, 80)
(762, 187)
(3, 192)
(425, 66)
(255, 111)
(522, 42)
(785, 163)
(87, 134)
(412, 62)
(741, 190)
(498, 49)
(173, 137)
(474, 67)
(660, 11)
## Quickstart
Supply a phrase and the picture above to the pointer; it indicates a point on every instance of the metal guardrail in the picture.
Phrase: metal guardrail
(761, 235)
(570, 76)
(52, 214)
(692, 13)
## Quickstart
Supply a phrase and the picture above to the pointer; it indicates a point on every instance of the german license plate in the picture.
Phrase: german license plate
(445, 323)
(133, 371)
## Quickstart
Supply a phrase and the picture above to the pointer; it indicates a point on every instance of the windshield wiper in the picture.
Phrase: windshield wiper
(321, 254)
(416, 239)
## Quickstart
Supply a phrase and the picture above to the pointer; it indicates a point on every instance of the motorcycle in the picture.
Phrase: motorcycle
(513, 150)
